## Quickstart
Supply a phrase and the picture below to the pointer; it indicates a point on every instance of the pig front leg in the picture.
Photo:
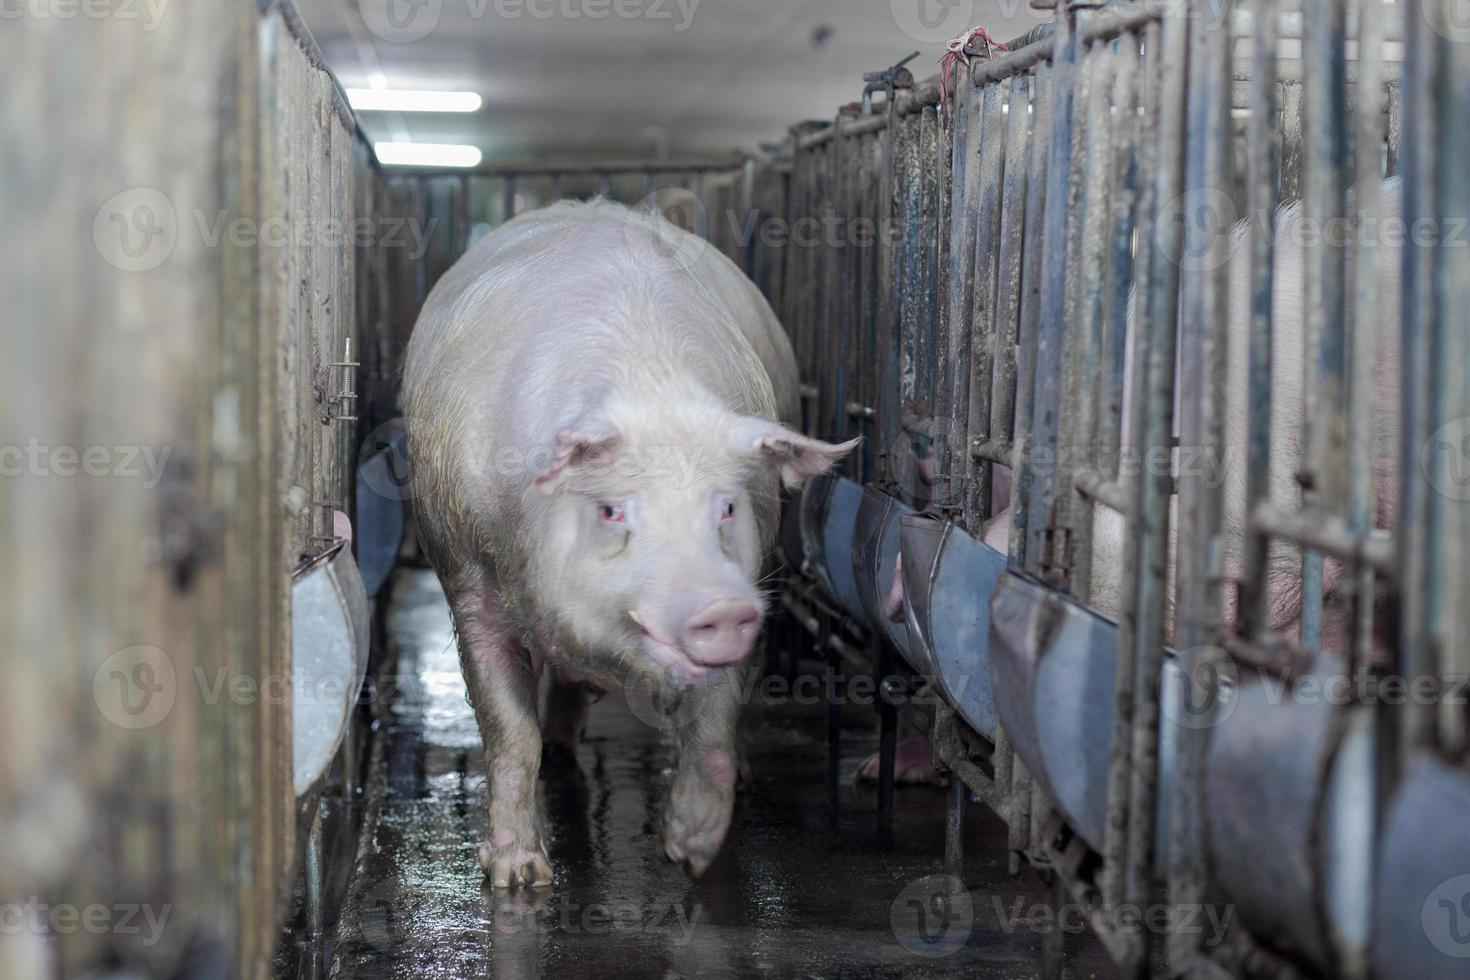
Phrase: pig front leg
(501, 679)
(702, 797)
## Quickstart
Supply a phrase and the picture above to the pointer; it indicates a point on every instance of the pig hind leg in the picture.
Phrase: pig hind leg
(501, 679)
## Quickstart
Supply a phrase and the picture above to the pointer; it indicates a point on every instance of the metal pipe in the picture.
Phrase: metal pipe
(981, 321)
(1152, 533)
(1050, 334)
(1253, 615)
(1324, 89)
(568, 168)
(1416, 654)
(1104, 26)
(1031, 280)
(1363, 324)
(967, 127)
(1086, 319)
(1009, 267)
(1203, 331)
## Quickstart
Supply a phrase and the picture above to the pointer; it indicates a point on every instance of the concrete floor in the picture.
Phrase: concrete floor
(804, 886)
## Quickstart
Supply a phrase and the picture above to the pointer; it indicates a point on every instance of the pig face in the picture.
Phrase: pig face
(653, 529)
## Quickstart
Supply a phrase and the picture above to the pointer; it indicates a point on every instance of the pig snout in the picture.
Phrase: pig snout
(722, 633)
(893, 605)
(704, 632)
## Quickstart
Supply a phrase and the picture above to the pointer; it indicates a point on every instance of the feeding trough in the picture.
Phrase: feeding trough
(329, 654)
(875, 549)
(1052, 675)
(949, 578)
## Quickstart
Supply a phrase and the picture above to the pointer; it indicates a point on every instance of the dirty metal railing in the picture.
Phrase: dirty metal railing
(459, 207)
(1021, 306)
(1053, 297)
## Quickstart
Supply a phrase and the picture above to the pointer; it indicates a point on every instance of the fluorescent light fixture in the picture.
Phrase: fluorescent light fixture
(390, 100)
(427, 155)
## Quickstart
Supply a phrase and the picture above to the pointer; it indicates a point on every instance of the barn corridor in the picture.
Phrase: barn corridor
(804, 887)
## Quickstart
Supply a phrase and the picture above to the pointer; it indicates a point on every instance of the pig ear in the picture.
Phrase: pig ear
(799, 457)
(588, 441)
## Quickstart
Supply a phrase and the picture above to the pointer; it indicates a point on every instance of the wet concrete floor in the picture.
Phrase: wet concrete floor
(805, 886)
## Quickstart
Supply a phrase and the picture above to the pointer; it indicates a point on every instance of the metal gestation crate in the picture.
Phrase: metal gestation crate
(1025, 299)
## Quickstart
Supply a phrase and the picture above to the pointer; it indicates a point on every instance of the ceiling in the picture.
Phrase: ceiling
(576, 79)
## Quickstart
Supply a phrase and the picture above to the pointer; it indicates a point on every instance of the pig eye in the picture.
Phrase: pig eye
(612, 514)
(727, 511)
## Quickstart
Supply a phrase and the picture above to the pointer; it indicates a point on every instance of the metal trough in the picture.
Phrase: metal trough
(949, 578)
(841, 514)
(1052, 675)
(875, 538)
(382, 487)
(1291, 818)
(812, 514)
(1421, 918)
(329, 653)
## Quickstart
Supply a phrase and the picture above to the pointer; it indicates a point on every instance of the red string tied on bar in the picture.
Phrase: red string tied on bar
(958, 51)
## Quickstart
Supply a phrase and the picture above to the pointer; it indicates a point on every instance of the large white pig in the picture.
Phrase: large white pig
(595, 402)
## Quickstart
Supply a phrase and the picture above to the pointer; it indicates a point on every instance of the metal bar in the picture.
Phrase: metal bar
(1253, 615)
(508, 200)
(1292, 144)
(1449, 404)
(1151, 532)
(968, 120)
(1103, 490)
(909, 288)
(1415, 653)
(981, 321)
(877, 214)
(1120, 281)
(848, 295)
(1203, 331)
(1050, 336)
(569, 168)
(926, 289)
(1086, 322)
(856, 127)
(1324, 89)
(1031, 283)
(954, 827)
(1363, 325)
(1104, 26)
(890, 298)
(941, 381)
(885, 662)
(831, 368)
(1008, 265)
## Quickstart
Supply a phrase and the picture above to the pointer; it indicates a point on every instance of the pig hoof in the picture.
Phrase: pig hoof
(506, 867)
(913, 765)
(694, 840)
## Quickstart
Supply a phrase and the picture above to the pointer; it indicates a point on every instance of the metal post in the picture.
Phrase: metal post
(1200, 545)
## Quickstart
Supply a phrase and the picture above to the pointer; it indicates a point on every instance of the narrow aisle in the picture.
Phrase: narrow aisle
(803, 887)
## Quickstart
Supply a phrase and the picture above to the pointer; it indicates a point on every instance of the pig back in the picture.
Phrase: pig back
(552, 315)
